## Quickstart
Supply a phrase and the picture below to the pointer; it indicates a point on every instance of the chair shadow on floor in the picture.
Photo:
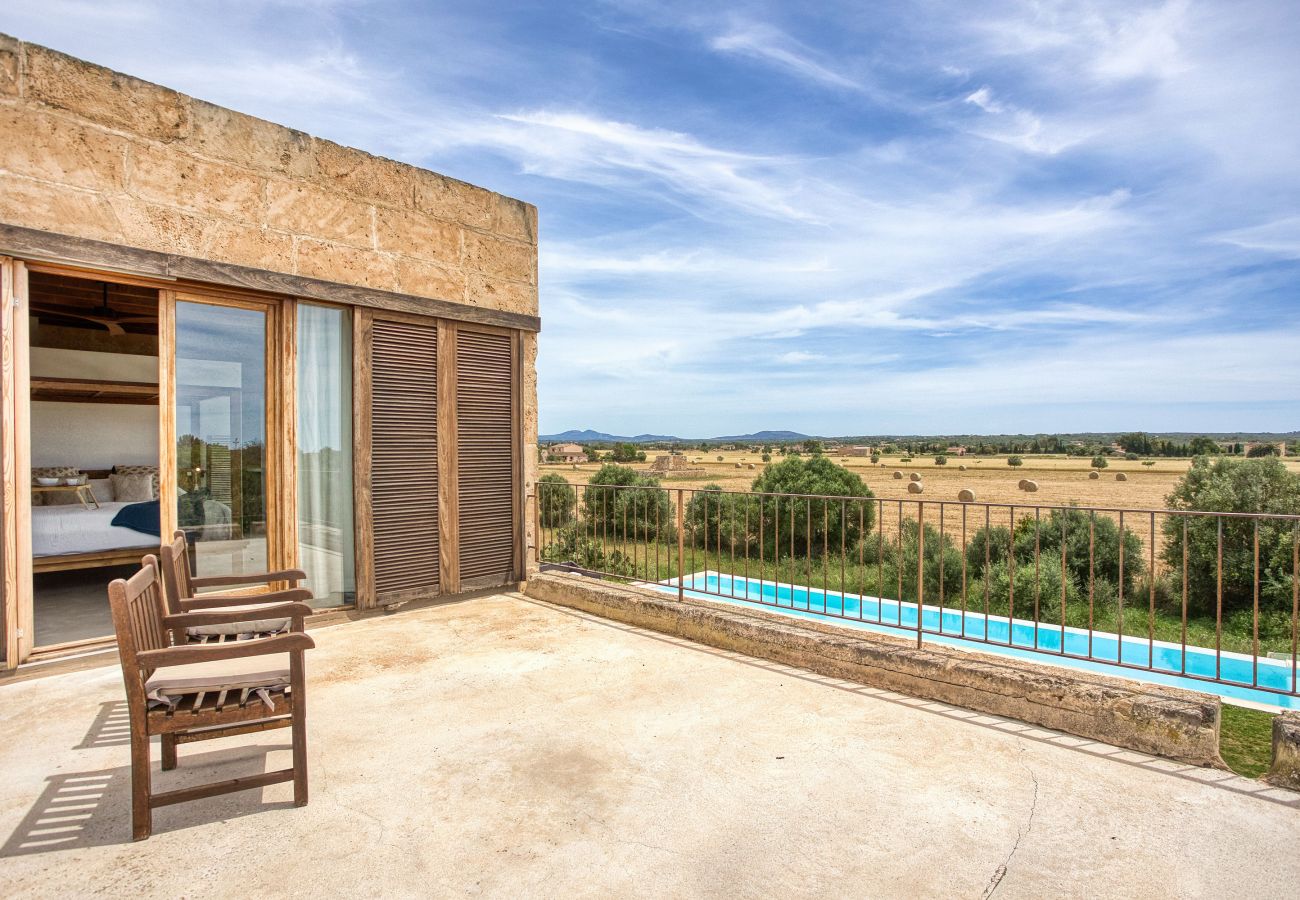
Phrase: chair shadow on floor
(93, 809)
(111, 728)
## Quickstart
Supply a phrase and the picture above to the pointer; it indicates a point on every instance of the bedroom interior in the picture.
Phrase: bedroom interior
(94, 446)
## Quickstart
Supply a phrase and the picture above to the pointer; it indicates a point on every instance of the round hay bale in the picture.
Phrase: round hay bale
(966, 495)
(1021, 483)
(961, 468)
(737, 465)
(915, 487)
(1120, 476)
(898, 476)
(916, 476)
(575, 467)
(1093, 476)
(750, 465)
(1031, 486)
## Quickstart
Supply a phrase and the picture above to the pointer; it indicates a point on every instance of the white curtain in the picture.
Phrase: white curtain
(325, 519)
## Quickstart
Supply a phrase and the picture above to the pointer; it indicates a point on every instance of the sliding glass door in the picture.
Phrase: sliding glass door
(221, 435)
(324, 464)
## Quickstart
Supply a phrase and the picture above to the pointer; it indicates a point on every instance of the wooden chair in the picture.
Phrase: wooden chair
(198, 692)
(181, 595)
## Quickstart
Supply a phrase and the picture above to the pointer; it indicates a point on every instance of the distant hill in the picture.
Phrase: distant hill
(764, 436)
(587, 436)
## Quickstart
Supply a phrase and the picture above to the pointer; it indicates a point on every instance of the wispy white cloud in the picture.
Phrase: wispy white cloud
(772, 46)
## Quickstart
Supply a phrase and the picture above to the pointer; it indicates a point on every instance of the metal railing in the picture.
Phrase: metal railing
(1206, 596)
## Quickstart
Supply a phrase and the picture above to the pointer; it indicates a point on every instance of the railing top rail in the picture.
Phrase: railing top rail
(1283, 517)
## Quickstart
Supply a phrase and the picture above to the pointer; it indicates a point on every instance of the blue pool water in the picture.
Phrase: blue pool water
(1010, 637)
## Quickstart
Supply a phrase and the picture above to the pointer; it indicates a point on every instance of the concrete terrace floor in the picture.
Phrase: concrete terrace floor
(502, 747)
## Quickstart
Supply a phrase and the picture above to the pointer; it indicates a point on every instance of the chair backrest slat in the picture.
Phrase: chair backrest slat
(175, 565)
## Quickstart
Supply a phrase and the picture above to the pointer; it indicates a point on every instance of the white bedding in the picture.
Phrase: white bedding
(71, 528)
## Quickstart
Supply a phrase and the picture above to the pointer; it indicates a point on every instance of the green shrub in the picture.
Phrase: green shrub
(621, 502)
(1015, 461)
(941, 460)
(572, 545)
(875, 457)
(1099, 462)
(555, 501)
(1148, 462)
(1242, 486)
(716, 520)
(817, 523)
(1131, 457)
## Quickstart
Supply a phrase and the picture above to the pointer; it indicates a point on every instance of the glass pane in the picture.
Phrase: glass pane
(325, 453)
(221, 436)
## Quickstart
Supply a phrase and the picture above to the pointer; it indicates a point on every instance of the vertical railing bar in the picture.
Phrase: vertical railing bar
(794, 563)
(1183, 637)
(920, 571)
(826, 550)
(659, 531)
(1011, 575)
(1295, 604)
(964, 508)
(681, 547)
(942, 547)
(1218, 600)
(988, 563)
(899, 567)
(808, 551)
(844, 515)
(745, 535)
(880, 561)
(1038, 577)
(1121, 587)
(1092, 576)
(1064, 580)
(862, 551)
(1151, 577)
(1254, 622)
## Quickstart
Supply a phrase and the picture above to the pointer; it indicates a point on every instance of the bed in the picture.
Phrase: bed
(73, 537)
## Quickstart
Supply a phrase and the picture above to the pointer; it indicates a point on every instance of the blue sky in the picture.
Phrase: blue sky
(886, 217)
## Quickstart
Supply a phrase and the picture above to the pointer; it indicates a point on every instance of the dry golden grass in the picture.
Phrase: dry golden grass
(1062, 481)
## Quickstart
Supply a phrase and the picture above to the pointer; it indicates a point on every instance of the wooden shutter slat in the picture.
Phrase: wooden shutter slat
(404, 457)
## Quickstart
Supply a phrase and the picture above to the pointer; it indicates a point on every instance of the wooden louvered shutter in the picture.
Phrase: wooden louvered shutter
(404, 458)
(485, 457)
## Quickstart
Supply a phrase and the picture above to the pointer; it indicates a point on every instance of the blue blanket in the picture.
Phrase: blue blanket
(142, 517)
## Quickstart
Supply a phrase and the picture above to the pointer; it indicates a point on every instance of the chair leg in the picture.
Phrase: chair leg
(299, 730)
(141, 810)
(168, 752)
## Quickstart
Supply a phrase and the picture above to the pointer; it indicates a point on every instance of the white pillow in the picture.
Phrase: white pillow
(102, 488)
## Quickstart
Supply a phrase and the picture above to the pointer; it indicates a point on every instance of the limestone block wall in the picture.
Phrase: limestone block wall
(93, 153)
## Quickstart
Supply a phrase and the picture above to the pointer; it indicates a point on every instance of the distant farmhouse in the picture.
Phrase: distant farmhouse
(567, 453)
(856, 451)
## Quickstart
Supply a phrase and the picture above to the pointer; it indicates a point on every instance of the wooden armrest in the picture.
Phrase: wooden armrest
(295, 611)
(292, 575)
(216, 601)
(197, 653)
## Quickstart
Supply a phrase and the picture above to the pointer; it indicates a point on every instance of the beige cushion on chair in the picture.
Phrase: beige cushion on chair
(252, 673)
(252, 626)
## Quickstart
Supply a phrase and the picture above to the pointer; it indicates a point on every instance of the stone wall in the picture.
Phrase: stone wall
(92, 153)
(1164, 721)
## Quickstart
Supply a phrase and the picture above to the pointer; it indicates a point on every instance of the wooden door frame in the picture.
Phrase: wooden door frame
(279, 453)
(17, 611)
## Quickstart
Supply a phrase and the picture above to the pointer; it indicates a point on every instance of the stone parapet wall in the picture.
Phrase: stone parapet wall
(91, 153)
(1169, 722)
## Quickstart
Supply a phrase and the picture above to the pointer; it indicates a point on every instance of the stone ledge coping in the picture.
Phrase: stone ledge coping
(1162, 721)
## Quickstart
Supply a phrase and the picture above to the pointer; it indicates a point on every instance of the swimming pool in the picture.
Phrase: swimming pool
(1011, 637)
